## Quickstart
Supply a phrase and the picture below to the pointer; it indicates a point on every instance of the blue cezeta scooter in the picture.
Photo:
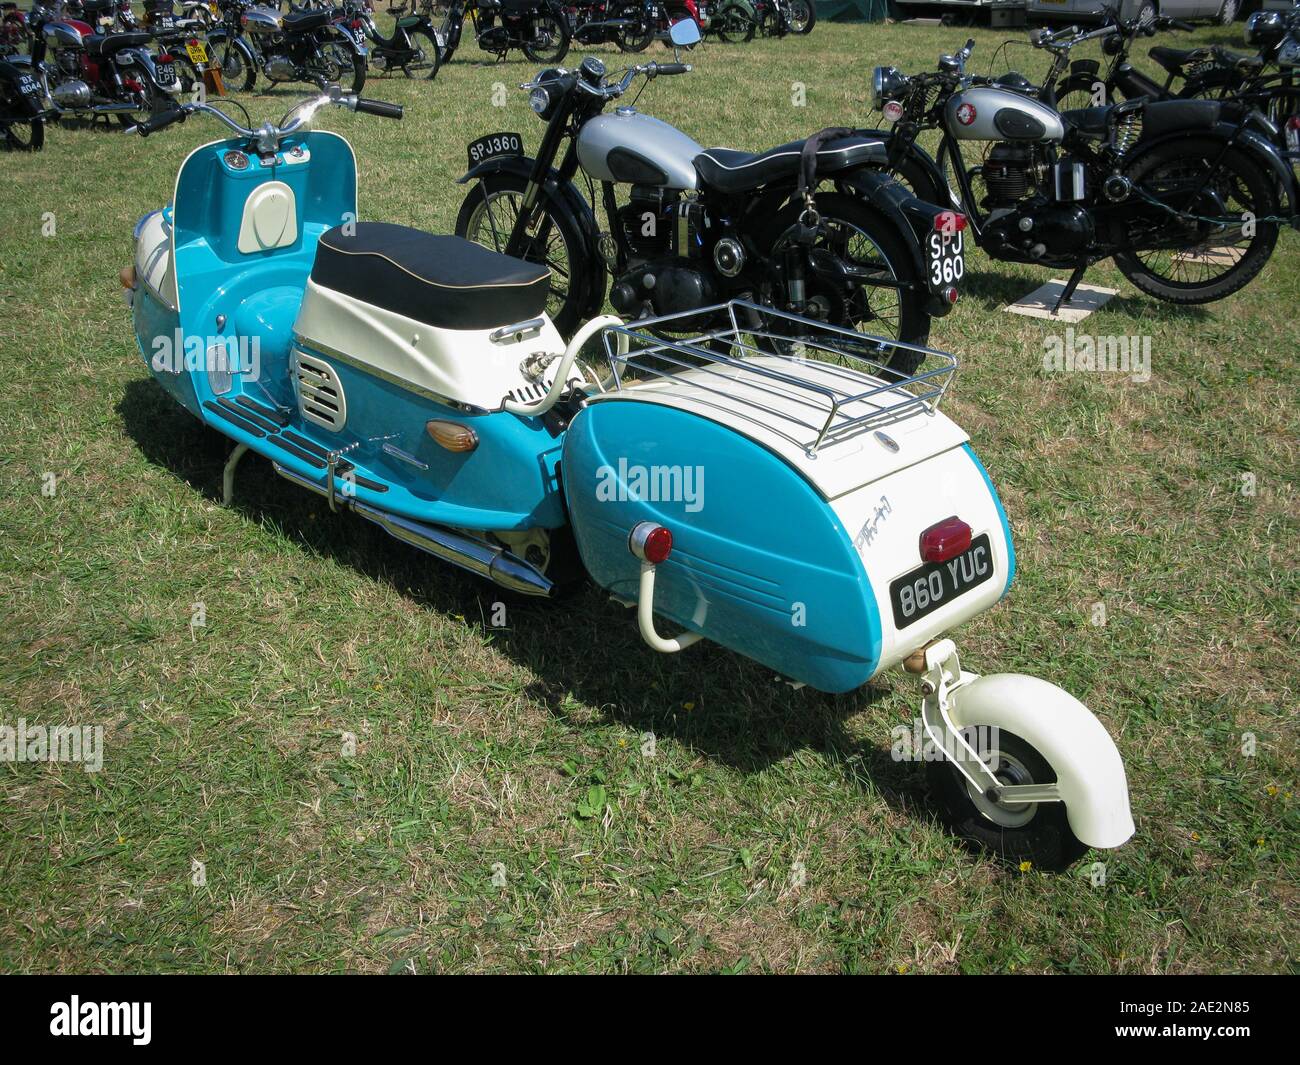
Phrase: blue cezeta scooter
(767, 485)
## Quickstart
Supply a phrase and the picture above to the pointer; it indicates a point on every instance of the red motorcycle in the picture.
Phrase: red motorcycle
(86, 74)
(653, 20)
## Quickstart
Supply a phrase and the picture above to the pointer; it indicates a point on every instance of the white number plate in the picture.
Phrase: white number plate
(946, 262)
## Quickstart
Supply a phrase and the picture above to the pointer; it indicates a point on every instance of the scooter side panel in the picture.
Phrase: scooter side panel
(755, 547)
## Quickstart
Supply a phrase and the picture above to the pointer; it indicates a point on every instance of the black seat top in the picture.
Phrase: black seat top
(106, 44)
(302, 21)
(1158, 117)
(1090, 121)
(1166, 116)
(1174, 59)
(730, 171)
(442, 281)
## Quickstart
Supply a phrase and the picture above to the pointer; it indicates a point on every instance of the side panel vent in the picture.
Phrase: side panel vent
(320, 396)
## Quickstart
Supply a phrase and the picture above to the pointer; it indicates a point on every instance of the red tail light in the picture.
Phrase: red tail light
(164, 57)
(949, 295)
(949, 222)
(946, 540)
(650, 542)
(1293, 122)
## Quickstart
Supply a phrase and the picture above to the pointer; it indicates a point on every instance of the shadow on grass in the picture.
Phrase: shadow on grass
(583, 648)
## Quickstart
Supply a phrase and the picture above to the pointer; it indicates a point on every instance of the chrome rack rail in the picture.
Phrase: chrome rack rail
(788, 370)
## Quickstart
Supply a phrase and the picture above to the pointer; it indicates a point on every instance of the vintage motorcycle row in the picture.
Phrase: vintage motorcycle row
(1186, 194)
(467, 402)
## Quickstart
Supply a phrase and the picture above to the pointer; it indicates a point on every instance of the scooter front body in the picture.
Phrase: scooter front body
(338, 394)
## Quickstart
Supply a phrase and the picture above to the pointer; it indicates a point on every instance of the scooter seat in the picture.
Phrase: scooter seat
(441, 281)
(107, 44)
(301, 22)
(731, 171)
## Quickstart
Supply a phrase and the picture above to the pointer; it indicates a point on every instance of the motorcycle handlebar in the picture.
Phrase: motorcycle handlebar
(381, 108)
(672, 68)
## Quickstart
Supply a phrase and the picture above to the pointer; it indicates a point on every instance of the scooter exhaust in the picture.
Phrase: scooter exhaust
(498, 565)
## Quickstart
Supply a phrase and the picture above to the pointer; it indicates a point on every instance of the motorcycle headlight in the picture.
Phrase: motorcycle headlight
(886, 84)
(539, 99)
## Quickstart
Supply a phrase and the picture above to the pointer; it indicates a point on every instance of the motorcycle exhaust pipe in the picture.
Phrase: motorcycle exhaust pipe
(498, 565)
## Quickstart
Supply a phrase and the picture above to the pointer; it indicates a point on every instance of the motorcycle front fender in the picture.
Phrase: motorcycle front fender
(1089, 771)
(565, 196)
(344, 33)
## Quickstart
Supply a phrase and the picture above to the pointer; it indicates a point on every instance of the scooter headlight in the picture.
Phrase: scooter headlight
(539, 99)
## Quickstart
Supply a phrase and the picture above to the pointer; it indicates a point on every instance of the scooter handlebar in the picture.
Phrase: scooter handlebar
(381, 108)
(154, 123)
(672, 68)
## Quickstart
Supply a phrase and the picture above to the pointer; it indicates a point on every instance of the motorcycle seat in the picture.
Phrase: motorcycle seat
(442, 281)
(301, 22)
(1089, 121)
(1158, 117)
(107, 44)
(1174, 59)
(731, 171)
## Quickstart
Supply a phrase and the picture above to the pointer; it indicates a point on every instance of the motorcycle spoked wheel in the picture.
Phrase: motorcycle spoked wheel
(734, 26)
(236, 71)
(1021, 832)
(487, 217)
(429, 60)
(637, 34)
(334, 59)
(23, 136)
(550, 40)
(1215, 261)
(860, 235)
(803, 16)
(1077, 91)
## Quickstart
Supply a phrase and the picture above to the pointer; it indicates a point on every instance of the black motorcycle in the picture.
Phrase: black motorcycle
(413, 47)
(22, 109)
(538, 28)
(315, 46)
(1182, 194)
(686, 229)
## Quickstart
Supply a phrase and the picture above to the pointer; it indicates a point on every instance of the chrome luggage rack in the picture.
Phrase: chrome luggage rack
(843, 386)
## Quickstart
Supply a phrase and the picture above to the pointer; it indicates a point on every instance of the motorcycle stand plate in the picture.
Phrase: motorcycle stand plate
(1040, 302)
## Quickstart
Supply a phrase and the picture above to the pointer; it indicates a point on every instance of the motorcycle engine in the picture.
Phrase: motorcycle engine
(1006, 174)
(280, 68)
(1041, 227)
(665, 235)
(68, 60)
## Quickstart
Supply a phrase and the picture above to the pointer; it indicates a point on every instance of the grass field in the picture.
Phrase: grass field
(499, 813)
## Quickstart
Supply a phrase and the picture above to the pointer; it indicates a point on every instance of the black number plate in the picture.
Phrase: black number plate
(927, 588)
(946, 262)
(166, 73)
(494, 144)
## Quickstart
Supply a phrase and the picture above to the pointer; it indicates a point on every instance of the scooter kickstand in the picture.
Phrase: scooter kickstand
(228, 474)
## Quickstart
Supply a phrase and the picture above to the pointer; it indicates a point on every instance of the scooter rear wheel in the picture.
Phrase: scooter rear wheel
(1038, 833)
